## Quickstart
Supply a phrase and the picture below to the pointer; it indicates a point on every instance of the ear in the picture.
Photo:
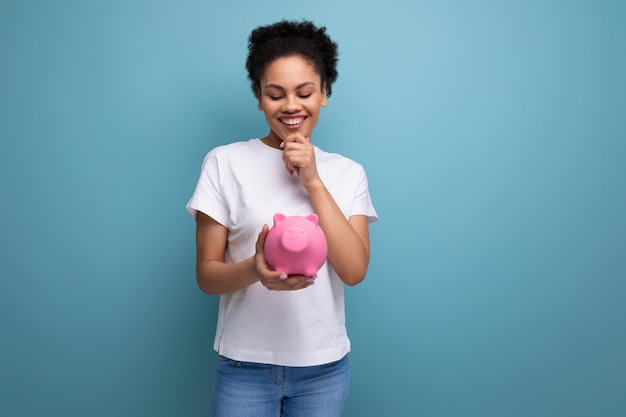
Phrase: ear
(313, 218)
(279, 217)
(260, 105)
(324, 102)
(257, 94)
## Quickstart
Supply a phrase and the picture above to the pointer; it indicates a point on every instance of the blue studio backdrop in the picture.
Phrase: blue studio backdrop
(494, 137)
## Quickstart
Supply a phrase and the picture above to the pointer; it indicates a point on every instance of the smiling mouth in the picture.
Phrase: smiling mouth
(292, 122)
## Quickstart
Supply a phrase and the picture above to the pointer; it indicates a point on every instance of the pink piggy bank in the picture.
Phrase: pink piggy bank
(296, 245)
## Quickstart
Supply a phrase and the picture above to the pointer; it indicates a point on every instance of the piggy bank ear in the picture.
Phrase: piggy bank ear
(313, 218)
(279, 217)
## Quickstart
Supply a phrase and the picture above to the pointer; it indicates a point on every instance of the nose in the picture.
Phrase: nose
(292, 104)
(295, 239)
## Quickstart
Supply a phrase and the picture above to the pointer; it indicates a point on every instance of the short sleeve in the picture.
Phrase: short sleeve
(208, 197)
(362, 201)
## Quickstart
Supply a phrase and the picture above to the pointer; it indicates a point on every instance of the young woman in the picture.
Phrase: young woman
(281, 338)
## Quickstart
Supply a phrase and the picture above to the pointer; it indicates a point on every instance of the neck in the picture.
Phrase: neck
(272, 140)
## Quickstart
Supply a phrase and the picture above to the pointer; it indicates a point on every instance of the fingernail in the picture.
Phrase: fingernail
(311, 280)
(283, 277)
(282, 144)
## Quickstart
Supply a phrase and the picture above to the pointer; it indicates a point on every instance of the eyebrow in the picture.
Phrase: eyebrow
(299, 86)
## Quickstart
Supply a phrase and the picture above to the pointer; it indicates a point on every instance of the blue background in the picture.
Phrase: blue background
(494, 137)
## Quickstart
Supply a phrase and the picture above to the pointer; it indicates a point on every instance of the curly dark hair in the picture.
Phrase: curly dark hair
(289, 38)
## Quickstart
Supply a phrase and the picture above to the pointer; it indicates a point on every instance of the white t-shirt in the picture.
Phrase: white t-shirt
(241, 186)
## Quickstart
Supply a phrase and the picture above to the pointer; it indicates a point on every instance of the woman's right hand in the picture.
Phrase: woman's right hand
(276, 280)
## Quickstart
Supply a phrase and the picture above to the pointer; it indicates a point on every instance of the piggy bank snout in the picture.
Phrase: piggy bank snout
(295, 239)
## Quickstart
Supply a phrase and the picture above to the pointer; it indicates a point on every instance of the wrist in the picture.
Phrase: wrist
(252, 268)
(315, 186)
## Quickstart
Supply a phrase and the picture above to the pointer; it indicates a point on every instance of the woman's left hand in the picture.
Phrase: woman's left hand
(299, 158)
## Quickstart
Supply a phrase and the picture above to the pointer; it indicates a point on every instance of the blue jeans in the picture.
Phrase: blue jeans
(245, 389)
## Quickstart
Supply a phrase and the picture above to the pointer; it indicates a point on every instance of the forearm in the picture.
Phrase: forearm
(215, 277)
(348, 251)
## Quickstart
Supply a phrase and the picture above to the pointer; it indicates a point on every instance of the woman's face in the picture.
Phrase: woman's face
(291, 97)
